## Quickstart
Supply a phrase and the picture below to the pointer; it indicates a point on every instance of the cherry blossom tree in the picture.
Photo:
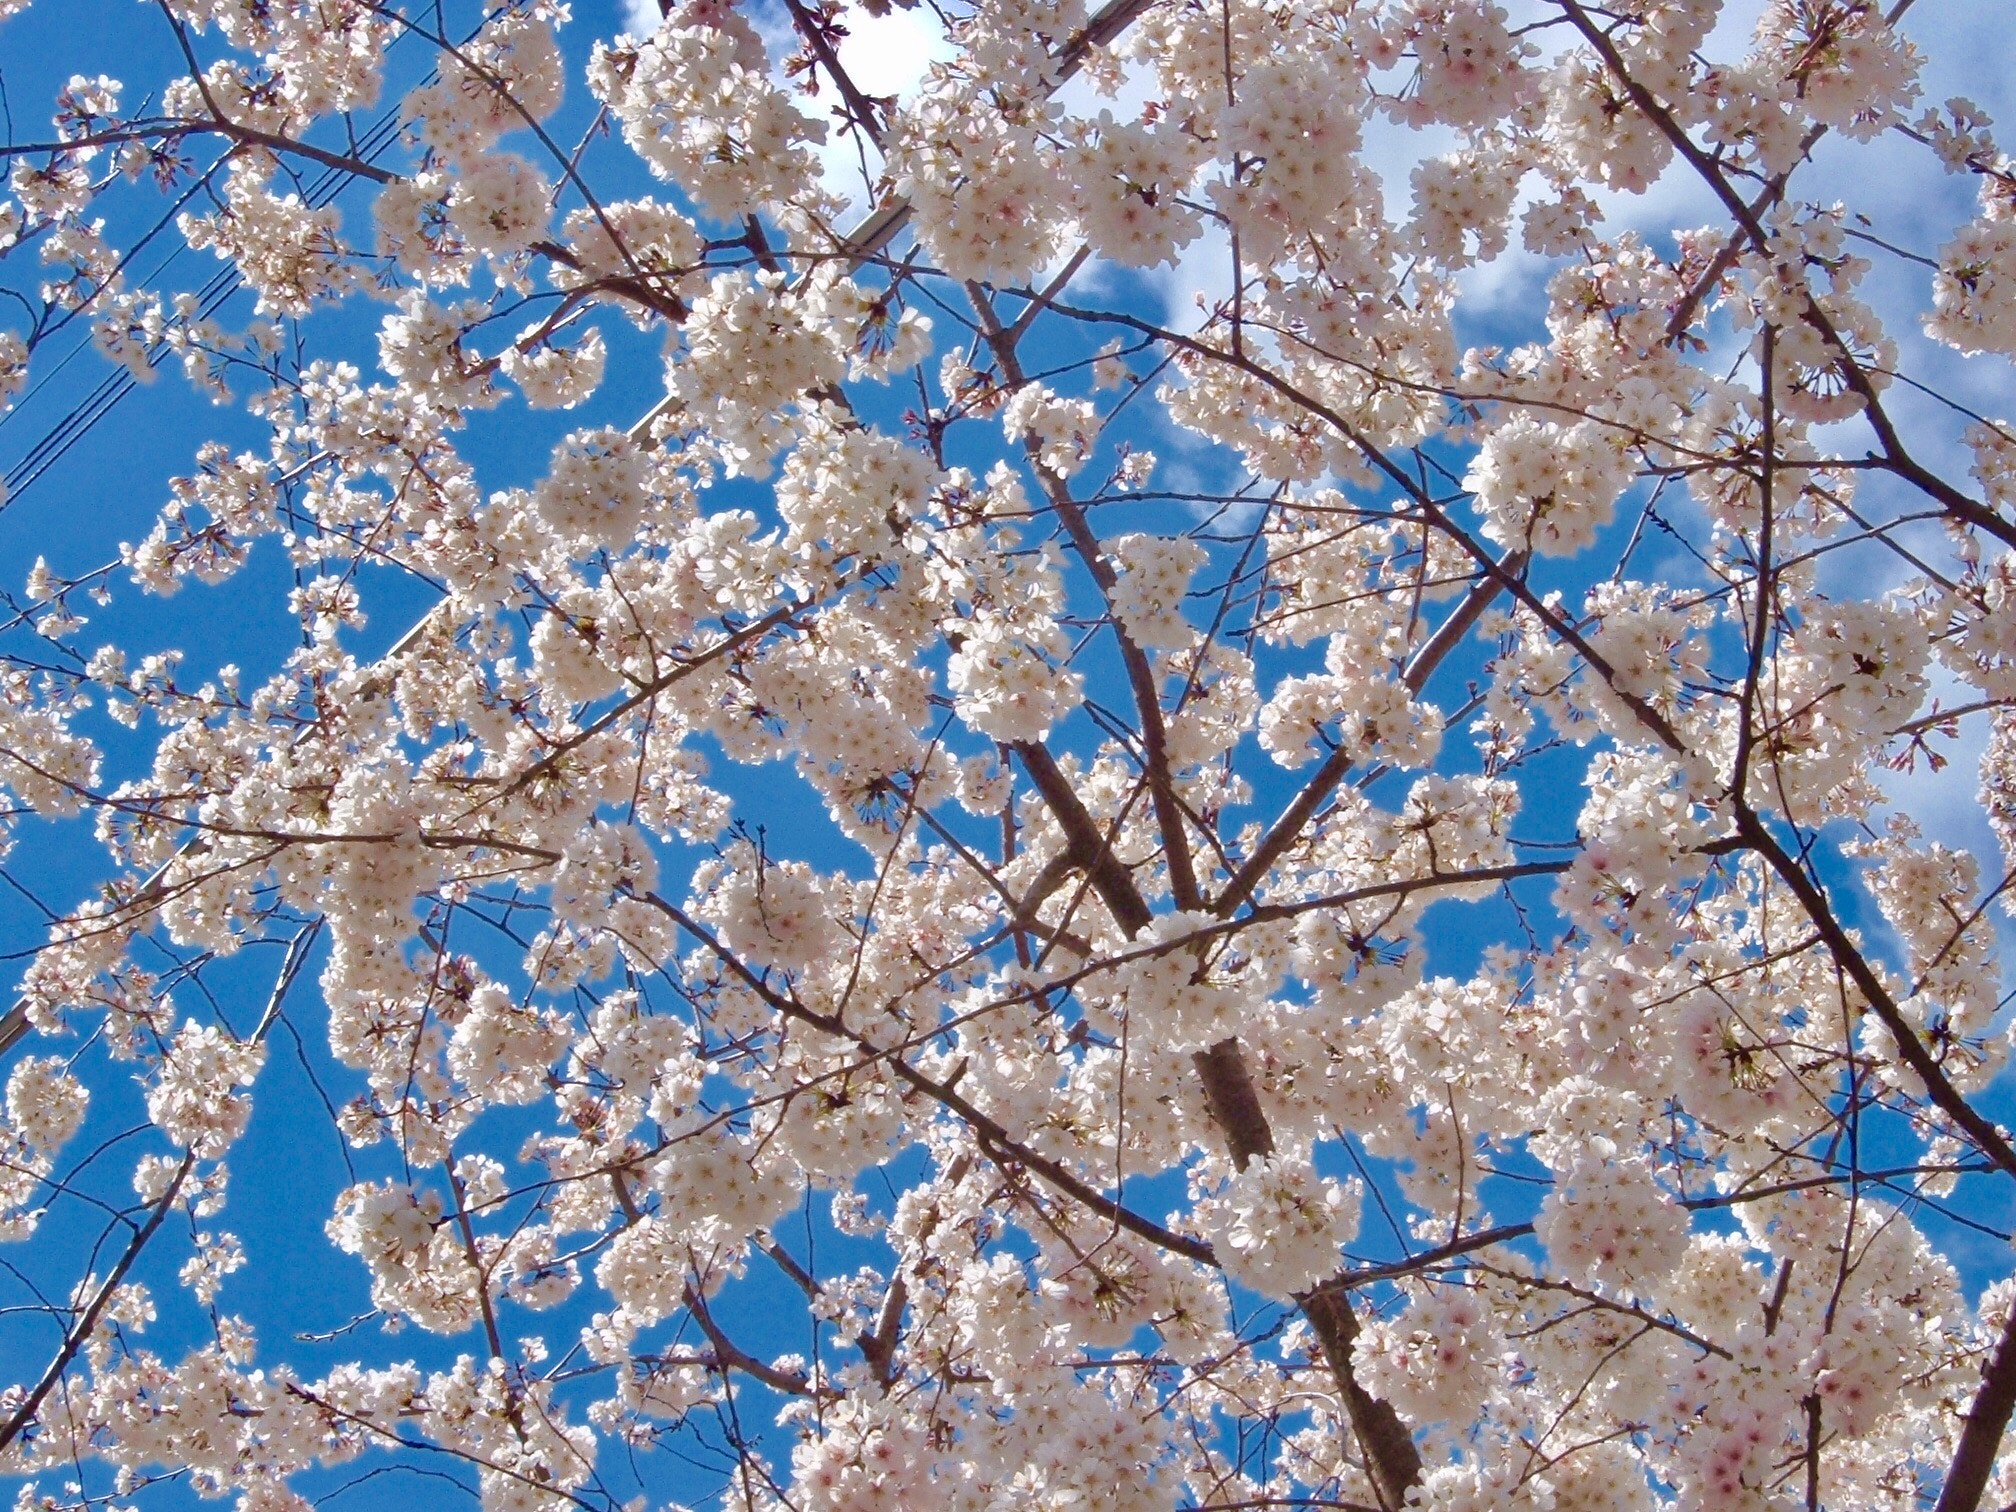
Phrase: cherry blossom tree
(866, 942)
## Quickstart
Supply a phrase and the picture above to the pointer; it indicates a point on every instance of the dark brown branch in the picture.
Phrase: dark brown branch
(253, 137)
(1169, 815)
(1234, 1102)
(1088, 848)
(1986, 1419)
(813, 31)
(1895, 457)
(1316, 792)
(1910, 1048)
(82, 1330)
(1391, 1461)
(729, 1355)
(993, 1138)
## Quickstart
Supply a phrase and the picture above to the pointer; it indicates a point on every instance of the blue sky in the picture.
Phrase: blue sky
(107, 488)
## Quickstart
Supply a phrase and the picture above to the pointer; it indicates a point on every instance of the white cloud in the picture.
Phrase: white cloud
(887, 55)
(884, 55)
(1888, 180)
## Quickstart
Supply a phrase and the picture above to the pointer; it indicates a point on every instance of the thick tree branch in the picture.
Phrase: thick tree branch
(1986, 1421)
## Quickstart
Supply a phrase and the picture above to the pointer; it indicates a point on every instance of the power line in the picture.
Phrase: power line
(50, 448)
(863, 244)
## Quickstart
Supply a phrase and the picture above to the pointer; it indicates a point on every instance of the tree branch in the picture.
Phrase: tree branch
(1986, 1420)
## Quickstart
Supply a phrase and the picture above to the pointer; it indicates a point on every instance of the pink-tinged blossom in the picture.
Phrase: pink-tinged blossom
(1012, 756)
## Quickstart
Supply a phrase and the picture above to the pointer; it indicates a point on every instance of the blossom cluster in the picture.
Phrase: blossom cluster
(1006, 901)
